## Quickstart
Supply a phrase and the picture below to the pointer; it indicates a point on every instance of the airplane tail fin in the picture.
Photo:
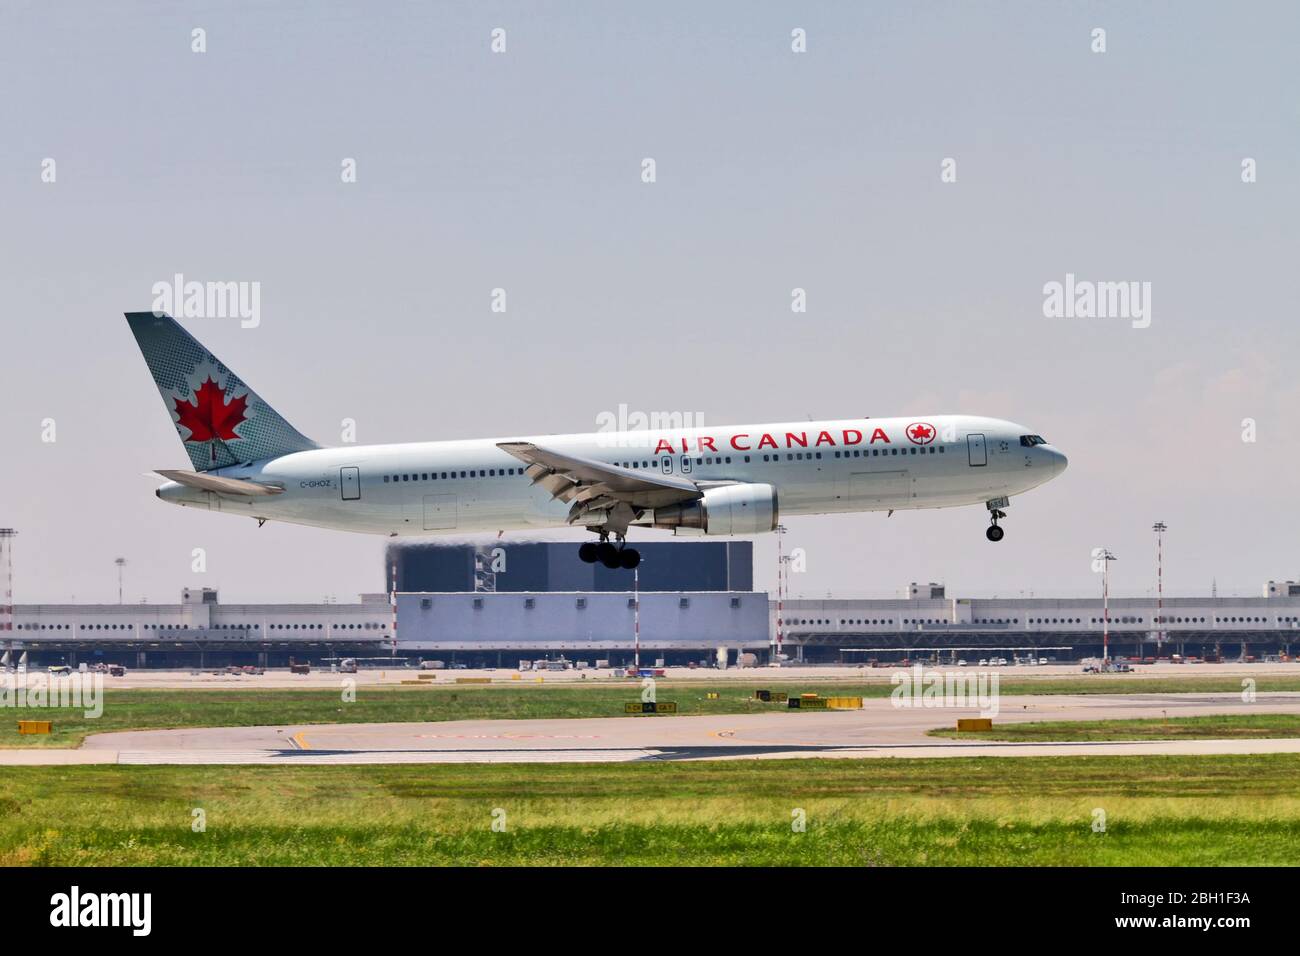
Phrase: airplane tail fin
(220, 420)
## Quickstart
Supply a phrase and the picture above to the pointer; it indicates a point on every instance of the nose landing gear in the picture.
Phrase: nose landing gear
(995, 532)
(610, 555)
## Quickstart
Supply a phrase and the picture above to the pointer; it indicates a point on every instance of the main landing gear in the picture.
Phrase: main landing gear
(994, 532)
(610, 555)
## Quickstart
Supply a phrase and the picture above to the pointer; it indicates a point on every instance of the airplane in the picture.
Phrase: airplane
(724, 480)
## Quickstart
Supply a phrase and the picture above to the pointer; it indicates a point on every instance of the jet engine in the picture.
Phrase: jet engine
(730, 509)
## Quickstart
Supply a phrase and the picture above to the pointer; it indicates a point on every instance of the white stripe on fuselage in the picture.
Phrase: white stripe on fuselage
(817, 468)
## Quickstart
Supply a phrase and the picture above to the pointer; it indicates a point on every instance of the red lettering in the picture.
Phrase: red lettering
(734, 443)
(767, 441)
(791, 439)
(825, 439)
(879, 433)
(705, 442)
(664, 445)
(851, 431)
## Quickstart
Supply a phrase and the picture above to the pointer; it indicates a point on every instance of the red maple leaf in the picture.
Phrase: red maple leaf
(209, 416)
(920, 431)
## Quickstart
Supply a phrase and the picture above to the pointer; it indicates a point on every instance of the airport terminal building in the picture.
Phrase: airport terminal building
(496, 604)
(924, 622)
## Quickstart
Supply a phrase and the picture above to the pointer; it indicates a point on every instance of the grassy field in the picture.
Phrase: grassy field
(163, 709)
(1175, 728)
(1158, 811)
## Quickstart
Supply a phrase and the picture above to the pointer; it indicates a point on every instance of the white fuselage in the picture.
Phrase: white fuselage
(830, 467)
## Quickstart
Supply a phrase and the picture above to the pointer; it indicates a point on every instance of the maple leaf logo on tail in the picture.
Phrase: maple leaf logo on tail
(210, 418)
(221, 409)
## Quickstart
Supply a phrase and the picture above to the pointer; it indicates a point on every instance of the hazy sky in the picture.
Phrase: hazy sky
(775, 170)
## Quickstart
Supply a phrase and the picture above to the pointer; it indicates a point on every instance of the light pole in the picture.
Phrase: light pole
(1160, 528)
(780, 594)
(121, 563)
(636, 618)
(1106, 559)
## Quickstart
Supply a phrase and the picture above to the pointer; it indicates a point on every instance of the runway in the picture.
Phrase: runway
(878, 730)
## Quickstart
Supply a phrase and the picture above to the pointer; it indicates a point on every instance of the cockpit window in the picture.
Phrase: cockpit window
(1029, 441)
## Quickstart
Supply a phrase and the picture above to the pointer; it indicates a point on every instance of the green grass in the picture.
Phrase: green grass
(1212, 810)
(601, 697)
(1219, 726)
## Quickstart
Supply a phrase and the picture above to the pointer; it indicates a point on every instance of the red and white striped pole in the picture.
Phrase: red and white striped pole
(392, 600)
(7, 561)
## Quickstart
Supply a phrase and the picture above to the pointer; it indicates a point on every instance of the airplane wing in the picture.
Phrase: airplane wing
(595, 485)
(225, 486)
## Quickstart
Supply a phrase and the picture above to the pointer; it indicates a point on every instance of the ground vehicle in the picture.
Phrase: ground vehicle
(60, 669)
(348, 666)
(961, 663)
(433, 665)
(116, 670)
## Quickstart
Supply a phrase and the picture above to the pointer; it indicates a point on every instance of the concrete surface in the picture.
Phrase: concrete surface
(878, 730)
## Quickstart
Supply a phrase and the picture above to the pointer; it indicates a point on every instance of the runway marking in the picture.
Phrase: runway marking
(300, 740)
(503, 736)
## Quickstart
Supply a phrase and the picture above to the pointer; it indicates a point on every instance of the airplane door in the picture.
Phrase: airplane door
(976, 450)
(350, 483)
(686, 464)
(666, 464)
(439, 512)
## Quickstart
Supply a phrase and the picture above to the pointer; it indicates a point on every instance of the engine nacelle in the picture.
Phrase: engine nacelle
(731, 509)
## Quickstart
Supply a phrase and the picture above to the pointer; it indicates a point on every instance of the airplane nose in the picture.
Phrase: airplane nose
(1059, 462)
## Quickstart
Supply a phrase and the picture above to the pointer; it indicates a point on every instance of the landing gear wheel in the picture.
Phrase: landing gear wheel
(994, 533)
(607, 554)
(629, 558)
(587, 552)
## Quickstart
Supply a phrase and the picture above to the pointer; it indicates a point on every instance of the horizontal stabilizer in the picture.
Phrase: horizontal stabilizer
(225, 486)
